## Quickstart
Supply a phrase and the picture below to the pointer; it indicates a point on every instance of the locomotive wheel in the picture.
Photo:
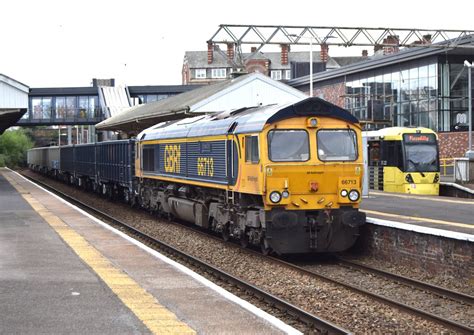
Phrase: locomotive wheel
(264, 248)
(244, 240)
(225, 233)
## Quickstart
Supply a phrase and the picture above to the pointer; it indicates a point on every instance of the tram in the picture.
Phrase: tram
(403, 160)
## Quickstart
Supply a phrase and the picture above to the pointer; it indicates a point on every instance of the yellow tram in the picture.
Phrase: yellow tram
(403, 160)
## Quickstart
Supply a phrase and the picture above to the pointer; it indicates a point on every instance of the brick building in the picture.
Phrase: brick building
(415, 86)
(215, 64)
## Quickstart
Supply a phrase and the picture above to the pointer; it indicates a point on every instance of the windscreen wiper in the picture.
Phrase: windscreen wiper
(417, 168)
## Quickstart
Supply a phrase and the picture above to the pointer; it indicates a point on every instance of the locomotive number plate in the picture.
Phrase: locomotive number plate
(348, 182)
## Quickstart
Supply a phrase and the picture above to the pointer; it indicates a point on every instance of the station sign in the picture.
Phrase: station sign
(419, 138)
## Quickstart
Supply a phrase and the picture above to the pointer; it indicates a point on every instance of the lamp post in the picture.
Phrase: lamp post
(311, 66)
(470, 152)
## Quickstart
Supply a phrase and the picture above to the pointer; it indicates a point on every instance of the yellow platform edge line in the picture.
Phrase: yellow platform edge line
(414, 218)
(414, 196)
(157, 318)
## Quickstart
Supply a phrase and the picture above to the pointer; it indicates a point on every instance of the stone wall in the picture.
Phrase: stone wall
(453, 144)
(332, 93)
(433, 254)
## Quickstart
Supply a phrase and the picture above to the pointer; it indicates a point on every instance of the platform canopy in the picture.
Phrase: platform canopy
(8, 117)
(13, 101)
(245, 91)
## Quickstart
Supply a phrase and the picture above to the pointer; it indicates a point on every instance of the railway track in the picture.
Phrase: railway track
(434, 289)
(307, 270)
(310, 320)
(429, 290)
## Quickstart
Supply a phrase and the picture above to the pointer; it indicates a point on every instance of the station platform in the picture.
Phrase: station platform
(62, 271)
(445, 216)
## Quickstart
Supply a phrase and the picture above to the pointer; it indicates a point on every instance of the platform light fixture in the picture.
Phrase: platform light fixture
(470, 152)
(311, 56)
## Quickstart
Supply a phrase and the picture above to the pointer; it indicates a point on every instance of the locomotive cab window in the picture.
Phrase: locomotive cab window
(251, 149)
(288, 145)
(337, 145)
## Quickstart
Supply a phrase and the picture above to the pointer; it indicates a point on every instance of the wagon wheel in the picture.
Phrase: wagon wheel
(126, 196)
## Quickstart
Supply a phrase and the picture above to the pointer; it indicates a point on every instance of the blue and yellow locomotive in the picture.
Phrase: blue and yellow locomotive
(287, 178)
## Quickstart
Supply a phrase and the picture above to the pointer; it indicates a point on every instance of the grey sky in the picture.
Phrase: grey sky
(142, 42)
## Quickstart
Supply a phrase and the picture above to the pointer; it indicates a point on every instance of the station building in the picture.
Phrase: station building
(416, 86)
(215, 65)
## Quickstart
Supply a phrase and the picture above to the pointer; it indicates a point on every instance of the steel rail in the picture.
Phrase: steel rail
(435, 289)
(309, 319)
(407, 308)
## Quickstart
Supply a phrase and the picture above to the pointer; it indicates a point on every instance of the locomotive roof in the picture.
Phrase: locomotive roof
(244, 120)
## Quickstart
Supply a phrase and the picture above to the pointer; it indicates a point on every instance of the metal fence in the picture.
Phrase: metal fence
(454, 169)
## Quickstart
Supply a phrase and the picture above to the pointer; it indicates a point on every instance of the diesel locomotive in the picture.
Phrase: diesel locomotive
(286, 178)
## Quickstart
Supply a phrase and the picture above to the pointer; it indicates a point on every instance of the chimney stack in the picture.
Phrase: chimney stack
(285, 48)
(426, 39)
(365, 53)
(391, 39)
(324, 55)
(210, 53)
(230, 52)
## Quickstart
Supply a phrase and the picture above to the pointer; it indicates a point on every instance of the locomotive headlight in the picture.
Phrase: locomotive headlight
(275, 197)
(354, 195)
(312, 122)
(344, 193)
(285, 194)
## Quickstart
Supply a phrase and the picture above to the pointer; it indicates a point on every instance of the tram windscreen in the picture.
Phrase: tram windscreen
(337, 145)
(421, 153)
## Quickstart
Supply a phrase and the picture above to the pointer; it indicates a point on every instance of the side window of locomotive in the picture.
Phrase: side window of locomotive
(148, 158)
(288, 145)
(251, 149)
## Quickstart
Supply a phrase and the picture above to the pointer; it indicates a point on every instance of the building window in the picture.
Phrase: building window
(200, 73)
(151, 98)
(287, 74)
(41, 108)
(83, 107)
(408, 97)
(60, 107)
(218, 73)
(70, 107)
(276, 74)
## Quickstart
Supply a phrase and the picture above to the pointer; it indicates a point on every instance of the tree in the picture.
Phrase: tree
(13, 147)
